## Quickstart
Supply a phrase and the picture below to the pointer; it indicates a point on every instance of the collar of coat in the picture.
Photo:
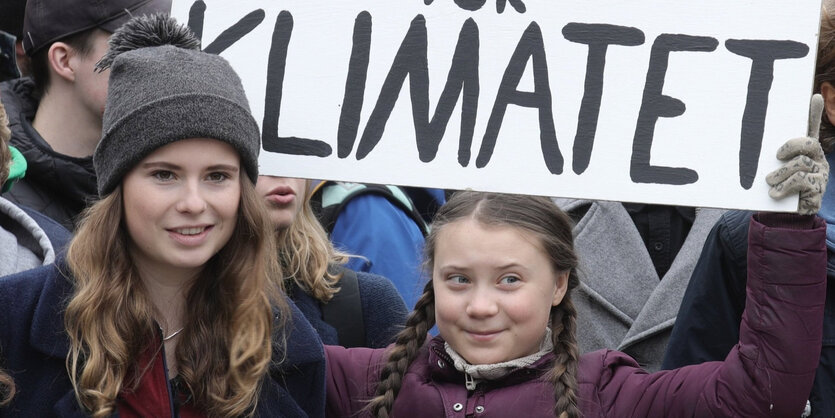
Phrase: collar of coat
(441, 367)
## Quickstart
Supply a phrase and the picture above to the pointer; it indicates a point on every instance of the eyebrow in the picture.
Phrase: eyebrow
(511, 265)
(501, 267)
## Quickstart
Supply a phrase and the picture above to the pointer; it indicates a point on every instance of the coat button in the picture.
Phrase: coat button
(479, 409)
(457, 407)
(441, 364)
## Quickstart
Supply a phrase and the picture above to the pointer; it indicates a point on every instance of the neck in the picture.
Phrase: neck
(68, 127)
(167, 291)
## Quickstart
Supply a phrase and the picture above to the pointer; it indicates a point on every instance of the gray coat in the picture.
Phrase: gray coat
(621, 302)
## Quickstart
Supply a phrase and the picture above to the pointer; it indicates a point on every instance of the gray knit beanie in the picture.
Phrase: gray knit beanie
(161, 94)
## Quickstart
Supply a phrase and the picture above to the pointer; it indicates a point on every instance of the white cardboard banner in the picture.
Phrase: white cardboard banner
(657, 101)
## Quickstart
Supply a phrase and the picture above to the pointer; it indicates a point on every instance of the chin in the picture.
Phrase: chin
(190, 261)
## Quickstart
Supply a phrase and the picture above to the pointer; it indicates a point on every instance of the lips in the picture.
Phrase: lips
(281, 195)
(190, 235)
(190, 231)
(483, 335)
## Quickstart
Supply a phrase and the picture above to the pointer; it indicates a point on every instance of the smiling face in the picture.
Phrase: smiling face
(181, 205)
(284, 196)
(494, 289)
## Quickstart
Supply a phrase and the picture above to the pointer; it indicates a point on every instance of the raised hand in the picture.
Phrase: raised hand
(805, 170)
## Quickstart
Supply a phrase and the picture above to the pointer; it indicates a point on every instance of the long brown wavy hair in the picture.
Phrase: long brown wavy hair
(225, 351)
(305, 252)
(538, 215)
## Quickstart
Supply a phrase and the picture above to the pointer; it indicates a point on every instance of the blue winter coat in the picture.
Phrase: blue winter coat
(34, 347)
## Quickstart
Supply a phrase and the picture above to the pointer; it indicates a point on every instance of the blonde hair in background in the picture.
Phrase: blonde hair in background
(225, 349)
(305, 252)
(5, 154)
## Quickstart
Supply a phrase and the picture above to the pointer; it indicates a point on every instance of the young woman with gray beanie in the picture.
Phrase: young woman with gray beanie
(168, 301)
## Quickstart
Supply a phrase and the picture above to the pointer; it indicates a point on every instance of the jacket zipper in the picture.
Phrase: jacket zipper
(167, 381)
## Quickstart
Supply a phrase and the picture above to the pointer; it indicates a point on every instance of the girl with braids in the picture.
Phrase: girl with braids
(503, 269)
(168, 302)
(352, 309)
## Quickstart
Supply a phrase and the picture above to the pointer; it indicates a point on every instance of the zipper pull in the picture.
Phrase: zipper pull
(469, 381)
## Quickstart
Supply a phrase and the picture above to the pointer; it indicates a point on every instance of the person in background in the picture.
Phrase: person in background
(383, 226)
(56, 115)
(27, 238)
(635, 263)
(710, 316)
(168, 301)
(352, 309)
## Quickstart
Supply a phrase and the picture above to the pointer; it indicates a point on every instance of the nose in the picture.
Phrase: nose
(192, 199)
(482, 304)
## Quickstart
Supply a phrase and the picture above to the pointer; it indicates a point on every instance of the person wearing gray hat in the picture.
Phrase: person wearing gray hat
(55, 115)
(168, 301)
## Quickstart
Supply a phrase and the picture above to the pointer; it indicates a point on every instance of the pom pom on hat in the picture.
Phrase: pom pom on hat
(159, 94)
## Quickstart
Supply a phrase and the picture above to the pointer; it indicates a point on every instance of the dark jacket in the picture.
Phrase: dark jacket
(383, 311)
(57, 234)
(709, 319)
(768, 373)
(56, 185)
(34, 347)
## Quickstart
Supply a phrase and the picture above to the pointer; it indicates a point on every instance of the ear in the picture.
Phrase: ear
(828, 93)
(59, 58)
(562, 288)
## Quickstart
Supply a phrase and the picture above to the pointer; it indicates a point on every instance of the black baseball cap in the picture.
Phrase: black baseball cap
(47, 21)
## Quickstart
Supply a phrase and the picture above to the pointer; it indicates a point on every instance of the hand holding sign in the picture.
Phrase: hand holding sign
(806, 170)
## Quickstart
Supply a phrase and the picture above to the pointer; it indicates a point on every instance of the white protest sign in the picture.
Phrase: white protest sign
(658, 101)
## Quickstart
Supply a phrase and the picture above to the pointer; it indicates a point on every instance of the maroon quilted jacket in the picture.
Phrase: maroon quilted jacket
(768, 373)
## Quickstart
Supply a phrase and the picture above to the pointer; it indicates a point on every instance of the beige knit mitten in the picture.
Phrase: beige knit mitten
(805, 170)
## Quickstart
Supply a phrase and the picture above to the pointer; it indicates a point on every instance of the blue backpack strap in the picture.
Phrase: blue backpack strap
(329, 200)
(344, 310)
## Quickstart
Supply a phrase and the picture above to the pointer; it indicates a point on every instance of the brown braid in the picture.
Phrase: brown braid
(564, 373)
(405, 349)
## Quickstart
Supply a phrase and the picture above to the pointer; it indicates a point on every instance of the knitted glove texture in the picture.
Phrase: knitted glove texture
(805, 170)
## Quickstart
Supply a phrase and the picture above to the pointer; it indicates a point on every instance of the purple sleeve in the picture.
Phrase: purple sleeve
(771, 370)
(352, 375)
